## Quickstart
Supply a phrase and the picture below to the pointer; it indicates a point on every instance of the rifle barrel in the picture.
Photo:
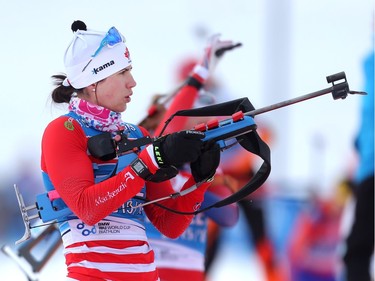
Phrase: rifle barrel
(288, 102)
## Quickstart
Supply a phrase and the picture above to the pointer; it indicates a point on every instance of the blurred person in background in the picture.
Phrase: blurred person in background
(237, 165)
(104, 238)
(184, 258)
(241, 165)
(313, 247)
(359, 244)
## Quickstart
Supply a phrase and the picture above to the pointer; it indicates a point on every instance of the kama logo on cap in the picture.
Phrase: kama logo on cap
(104, 66)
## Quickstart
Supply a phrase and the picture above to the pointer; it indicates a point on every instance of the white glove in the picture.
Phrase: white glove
(213, 51)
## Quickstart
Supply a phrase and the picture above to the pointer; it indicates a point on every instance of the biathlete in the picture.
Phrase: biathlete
(105, 237)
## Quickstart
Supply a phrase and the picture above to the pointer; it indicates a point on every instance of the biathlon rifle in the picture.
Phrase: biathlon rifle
(241, 123)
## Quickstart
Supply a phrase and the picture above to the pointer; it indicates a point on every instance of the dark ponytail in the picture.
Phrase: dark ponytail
(61, 94)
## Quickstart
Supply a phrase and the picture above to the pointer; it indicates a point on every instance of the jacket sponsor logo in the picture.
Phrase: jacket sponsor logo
(111, 194)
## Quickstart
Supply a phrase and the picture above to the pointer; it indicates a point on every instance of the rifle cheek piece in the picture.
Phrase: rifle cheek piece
(105, 148)
(102, 146)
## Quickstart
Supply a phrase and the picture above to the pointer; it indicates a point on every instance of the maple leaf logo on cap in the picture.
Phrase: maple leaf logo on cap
(127, 54)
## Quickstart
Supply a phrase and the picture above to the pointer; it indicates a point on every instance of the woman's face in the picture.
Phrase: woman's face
(114, 92)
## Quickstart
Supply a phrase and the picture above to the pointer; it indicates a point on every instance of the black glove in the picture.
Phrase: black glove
(206, 164)
(178, 148)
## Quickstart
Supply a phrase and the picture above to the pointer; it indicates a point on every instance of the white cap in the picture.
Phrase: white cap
(86, 64)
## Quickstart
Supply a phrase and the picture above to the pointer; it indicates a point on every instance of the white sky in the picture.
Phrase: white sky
(289, 47)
